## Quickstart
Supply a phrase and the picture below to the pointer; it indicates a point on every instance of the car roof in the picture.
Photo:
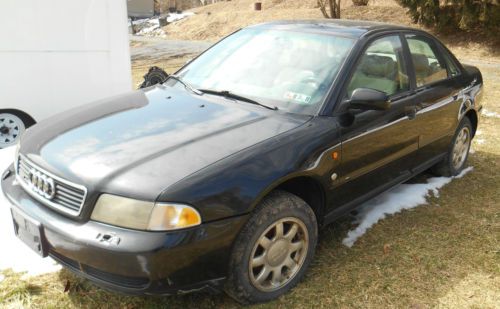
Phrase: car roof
(350, 28)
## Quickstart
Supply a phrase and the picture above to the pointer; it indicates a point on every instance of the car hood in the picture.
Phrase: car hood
(140, 143)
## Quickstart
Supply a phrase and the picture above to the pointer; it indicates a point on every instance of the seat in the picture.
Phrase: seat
(375, 72)
(422, 68)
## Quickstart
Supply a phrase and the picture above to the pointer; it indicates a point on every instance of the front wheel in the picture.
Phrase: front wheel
(273, 250)
(458, 152)
(11, 128)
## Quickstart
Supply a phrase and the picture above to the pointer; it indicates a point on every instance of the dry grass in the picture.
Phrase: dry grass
(141, 67)
(445, 254)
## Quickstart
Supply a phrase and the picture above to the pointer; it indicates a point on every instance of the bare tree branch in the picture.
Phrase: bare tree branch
(333, 8)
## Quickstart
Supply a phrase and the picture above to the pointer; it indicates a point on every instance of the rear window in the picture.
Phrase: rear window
(428, 67)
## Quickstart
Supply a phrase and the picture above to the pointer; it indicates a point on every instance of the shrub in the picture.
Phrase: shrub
(455, 14)
(360, 2)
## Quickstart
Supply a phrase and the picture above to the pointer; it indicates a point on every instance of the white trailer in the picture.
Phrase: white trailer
(58, 54)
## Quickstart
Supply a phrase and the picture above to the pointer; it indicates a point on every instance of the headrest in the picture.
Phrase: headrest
(379, 66)
(421, 64)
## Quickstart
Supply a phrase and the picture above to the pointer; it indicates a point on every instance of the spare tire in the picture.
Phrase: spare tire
(154, 76)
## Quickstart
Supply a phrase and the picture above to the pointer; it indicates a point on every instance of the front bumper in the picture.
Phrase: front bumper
(130, 261)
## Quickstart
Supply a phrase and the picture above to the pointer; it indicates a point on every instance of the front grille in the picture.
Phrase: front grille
(64, 196)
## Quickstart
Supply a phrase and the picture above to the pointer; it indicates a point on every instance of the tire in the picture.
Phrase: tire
(11, 129)
(154, 76)
(458, 151)
(288, 254)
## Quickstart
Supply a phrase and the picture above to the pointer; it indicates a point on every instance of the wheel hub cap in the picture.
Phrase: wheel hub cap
(277, 252)
(4, 130)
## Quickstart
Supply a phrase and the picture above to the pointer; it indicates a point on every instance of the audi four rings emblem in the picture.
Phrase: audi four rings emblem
(42, 184)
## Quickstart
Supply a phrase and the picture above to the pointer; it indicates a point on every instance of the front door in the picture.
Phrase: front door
(377, 147)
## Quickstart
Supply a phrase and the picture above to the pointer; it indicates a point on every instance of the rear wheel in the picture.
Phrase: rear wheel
(274, 249)
(11, 129)
(457, 155)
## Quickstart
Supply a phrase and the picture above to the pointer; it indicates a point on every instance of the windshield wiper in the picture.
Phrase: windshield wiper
(230, 95)
(185, 84)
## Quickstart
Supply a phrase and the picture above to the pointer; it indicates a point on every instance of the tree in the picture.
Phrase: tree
(333, 8)
(454, 14)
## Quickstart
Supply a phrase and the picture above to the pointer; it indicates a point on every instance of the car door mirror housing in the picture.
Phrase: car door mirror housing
(368, 99)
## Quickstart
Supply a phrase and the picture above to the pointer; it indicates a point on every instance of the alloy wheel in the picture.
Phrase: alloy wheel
(278, 254)
(461, 148)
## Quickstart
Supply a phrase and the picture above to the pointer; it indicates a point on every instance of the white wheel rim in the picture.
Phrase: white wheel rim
(11, 129)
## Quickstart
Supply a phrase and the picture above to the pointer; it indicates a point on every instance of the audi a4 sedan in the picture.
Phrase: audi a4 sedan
(220, 178)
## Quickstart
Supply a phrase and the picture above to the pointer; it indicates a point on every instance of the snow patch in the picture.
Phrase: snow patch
(151, 26)
(490, 114)
(404, 196)
(178, 16)
(15, 254)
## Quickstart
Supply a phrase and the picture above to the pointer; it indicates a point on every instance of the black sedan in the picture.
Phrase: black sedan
(220, 178)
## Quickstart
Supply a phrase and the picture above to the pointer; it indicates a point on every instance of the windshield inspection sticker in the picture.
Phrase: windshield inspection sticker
(298, 97)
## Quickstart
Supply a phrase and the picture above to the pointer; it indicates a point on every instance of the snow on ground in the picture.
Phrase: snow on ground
(489, 114)
(151, 26)
(404, 196)
(178, 16)
(15, 254)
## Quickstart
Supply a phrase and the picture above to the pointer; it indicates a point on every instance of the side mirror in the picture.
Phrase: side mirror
(368, 99)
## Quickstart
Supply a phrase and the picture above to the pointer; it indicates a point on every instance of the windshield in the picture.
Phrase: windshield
(290, 70)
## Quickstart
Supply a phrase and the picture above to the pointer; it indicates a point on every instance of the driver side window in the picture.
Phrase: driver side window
(381, 67)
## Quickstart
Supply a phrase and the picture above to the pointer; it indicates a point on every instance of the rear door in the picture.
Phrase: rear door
(377, 145)
(437, 95)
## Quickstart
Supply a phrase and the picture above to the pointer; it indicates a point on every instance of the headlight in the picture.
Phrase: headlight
(130, 213)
